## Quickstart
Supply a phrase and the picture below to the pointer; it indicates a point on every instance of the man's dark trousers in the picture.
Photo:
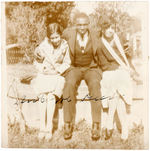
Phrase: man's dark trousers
(73, 78)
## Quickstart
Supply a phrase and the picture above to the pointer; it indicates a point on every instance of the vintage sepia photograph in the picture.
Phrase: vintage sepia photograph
(74, 75)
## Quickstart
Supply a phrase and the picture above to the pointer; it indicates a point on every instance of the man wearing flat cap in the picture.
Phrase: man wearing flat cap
(84, 56)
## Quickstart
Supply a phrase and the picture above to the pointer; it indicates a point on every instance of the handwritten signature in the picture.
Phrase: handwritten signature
(87, 97)
(96, 99)
(43, 99)
(25, 100)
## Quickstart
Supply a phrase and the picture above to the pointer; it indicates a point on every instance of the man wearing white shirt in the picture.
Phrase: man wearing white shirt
(84, 56)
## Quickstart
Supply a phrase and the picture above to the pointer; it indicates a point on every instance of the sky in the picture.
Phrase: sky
(137, 8)
(87, 7)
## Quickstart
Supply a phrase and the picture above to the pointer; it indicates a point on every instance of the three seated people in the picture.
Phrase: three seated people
(81, 54)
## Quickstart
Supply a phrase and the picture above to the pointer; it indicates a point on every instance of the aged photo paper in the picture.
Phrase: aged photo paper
(74, 75)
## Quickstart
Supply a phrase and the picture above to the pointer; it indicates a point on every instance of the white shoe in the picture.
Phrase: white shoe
(48, 136)
(41, 135)
(124, 136)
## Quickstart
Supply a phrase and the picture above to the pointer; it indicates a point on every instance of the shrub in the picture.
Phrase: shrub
(26, 22)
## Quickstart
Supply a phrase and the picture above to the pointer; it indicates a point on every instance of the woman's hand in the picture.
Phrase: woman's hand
(39, 58)
(49, 71)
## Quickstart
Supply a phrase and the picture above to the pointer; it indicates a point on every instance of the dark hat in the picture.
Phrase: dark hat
(105, 22)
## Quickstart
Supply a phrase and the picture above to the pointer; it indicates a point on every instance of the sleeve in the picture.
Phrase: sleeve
(65, 34)
(61, 68)
(104, 63)
(102, 60)
(38, 53)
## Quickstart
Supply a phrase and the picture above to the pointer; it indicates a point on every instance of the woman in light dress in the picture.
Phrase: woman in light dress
(52, 61)
(116, 81)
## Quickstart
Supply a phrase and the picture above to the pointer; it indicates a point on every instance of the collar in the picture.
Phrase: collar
(73, 38)
(83, 41)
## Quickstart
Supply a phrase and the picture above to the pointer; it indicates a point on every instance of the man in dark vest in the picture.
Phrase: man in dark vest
(84, 56)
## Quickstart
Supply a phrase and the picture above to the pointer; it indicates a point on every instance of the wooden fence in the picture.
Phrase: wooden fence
(14, 53)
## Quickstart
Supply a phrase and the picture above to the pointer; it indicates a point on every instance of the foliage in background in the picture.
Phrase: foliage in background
(118, 15)
(26, 22)
(127, 27)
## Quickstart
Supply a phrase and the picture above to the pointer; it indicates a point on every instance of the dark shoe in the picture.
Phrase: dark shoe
(105, 110)
(95, 131)
(68, 131)
(124, 141)
(27, 79)
(108, 134)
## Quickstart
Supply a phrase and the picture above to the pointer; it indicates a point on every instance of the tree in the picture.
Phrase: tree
(26, 22)
(116, 11)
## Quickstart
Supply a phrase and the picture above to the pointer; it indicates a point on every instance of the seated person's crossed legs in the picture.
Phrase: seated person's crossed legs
(118, 87)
